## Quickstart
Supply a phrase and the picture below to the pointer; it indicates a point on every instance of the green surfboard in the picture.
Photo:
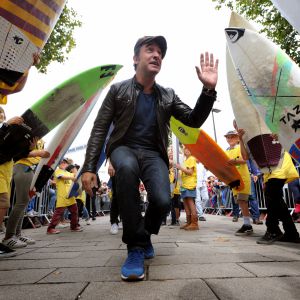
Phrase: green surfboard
(64, 99)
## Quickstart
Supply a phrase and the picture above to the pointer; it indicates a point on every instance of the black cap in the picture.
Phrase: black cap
(146, 40)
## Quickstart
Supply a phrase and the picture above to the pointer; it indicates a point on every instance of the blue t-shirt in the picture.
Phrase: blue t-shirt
(142, 133)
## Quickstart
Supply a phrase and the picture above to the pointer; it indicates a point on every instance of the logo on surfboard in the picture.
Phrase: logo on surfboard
(234, 33)
(18, 40)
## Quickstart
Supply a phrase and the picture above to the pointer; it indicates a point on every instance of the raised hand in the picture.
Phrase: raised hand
(208, 71)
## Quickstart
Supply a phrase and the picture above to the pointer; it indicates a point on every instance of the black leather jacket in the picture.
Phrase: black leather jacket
(119, 107)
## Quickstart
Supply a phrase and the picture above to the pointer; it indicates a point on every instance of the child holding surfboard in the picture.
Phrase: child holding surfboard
(241, 196)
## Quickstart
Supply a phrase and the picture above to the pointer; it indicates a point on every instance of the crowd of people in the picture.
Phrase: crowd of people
(139, 161)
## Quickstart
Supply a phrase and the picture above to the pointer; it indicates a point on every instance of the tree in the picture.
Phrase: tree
(61, 40)
(274, 25)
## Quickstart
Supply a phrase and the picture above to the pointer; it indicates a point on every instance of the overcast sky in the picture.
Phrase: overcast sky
(108, 34)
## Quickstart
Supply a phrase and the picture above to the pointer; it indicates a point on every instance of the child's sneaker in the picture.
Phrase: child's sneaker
(52, 231)
(26, 239)
(77, 229)
(245, 230)
(14, 243)
(114, 229)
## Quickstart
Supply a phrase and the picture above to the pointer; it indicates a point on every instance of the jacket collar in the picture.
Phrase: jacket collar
(141, 87)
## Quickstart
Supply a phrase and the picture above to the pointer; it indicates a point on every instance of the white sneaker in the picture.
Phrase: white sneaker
(114, 228)
(26, 239)
(61, 226)
(14, 243)
(88, 222)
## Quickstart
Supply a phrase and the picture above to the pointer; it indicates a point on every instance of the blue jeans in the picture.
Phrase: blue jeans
(131, 166)
(253, 203)
(52, 196)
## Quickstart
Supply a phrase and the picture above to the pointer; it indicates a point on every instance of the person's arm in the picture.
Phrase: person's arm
(187, 171)
(208, 75)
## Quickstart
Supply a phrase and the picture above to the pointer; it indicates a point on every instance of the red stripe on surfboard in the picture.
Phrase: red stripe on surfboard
(68, 132)
(297, 143)
(32, 10)
(214, 158)
(53, 5)
(22, 24)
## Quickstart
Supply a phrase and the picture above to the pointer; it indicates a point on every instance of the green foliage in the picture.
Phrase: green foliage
(61, 40)
(273, 24)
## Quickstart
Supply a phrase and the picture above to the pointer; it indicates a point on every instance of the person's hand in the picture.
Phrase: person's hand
(36, 59)
(241, 132)
(15, 120)
(89, 181)
(254, 177)
(177, 166)
(233, 162)
(111, 171)
(33, 143)
(208, 71)
(44, 154)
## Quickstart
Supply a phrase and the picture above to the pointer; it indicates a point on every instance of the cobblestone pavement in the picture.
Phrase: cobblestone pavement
(211, 263)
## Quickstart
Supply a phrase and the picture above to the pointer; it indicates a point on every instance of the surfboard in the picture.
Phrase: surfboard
(265, 152)
(272, 81)
(77, 185)
(58, 104)
(25, 27)
(208, 152)
(290, 10)
(63, 140)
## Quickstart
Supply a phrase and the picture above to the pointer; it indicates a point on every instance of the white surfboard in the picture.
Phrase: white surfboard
(16, 55)
(272, 81)
(290, 10)
(61, 142)
(257, 134)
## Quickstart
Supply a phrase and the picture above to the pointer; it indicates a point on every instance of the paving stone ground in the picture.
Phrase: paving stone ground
(211, 263)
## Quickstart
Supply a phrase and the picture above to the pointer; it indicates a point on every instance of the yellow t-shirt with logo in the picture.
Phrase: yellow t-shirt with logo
(189, 182)
(287, 170)
(62, 188)
(242, 169)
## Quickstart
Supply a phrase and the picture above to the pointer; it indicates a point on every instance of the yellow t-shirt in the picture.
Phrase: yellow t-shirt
(82, 197)
(242, 169)
(189, 181)
(6, 170)
(30, 161)
(287, 170)
(62, 188)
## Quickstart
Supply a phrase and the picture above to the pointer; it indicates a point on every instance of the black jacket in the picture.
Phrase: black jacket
(119, 107)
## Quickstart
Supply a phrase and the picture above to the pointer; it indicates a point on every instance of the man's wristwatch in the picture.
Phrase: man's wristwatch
(209, 92)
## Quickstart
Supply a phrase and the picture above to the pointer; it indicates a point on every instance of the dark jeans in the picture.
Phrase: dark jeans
(91, 201)
(277, 209)
(114, 205)
(131, 165)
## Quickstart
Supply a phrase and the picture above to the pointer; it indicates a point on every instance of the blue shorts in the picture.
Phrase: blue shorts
(185, 193)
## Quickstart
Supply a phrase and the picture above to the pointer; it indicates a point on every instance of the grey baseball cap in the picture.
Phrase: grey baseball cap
(146, 40)
(231, 132)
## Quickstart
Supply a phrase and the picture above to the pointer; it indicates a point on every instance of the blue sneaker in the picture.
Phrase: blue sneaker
(149, 251)
(133, 268)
